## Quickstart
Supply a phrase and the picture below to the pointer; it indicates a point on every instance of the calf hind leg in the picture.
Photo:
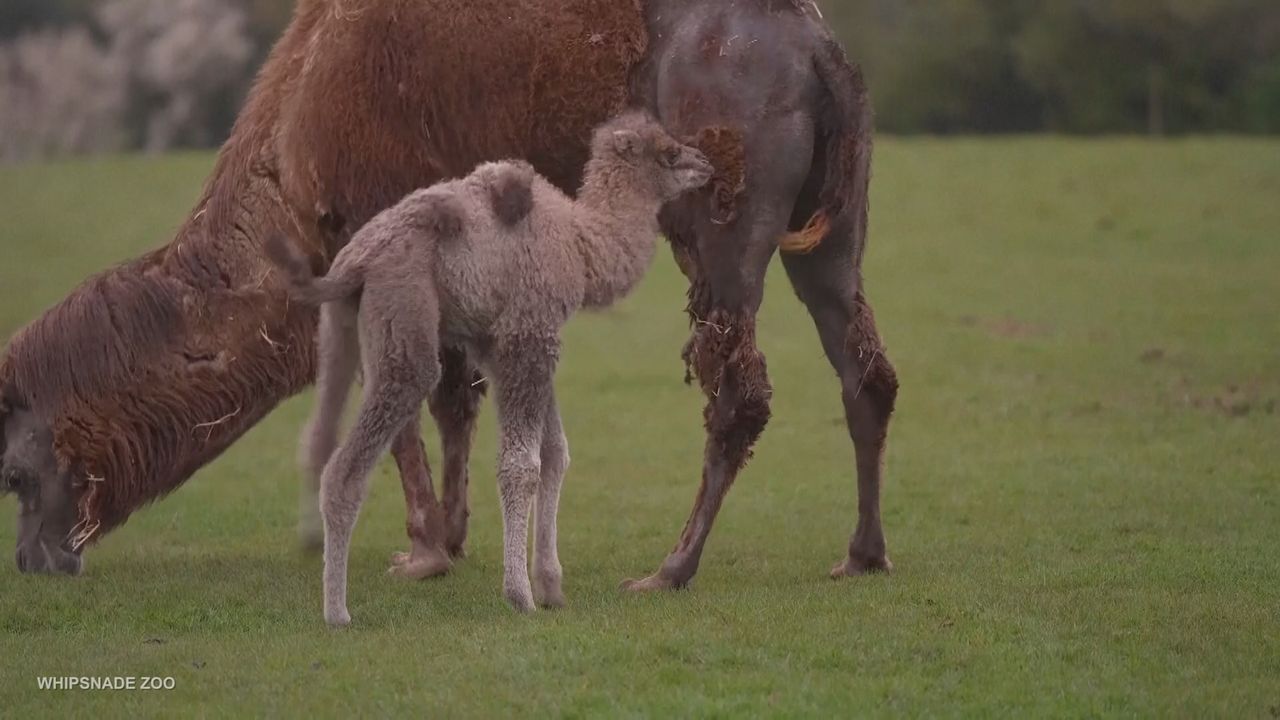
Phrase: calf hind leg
(386, 409)
(399, 342)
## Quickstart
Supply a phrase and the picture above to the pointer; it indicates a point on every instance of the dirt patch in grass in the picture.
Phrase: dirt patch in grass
(1234, 401)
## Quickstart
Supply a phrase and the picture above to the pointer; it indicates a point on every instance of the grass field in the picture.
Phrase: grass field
(1083, 497)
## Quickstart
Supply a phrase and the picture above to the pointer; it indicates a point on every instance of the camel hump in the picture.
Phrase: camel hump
(511, 192)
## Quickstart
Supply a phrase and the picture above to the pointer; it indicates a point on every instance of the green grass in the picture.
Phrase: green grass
(1082, 499)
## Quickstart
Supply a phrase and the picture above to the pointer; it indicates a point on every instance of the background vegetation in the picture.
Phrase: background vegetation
(95, 75)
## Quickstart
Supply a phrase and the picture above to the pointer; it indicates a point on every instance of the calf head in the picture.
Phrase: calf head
(46, 502)
(657, 161)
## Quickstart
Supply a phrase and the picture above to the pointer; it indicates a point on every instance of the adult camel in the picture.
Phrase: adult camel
(149, 370)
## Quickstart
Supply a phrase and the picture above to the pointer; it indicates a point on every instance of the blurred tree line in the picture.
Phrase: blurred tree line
(103, 75)
(1074, 66)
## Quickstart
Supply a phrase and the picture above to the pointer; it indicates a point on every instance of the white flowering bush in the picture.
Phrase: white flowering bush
(153, 77)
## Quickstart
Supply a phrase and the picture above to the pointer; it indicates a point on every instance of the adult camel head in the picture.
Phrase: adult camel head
(46, 511)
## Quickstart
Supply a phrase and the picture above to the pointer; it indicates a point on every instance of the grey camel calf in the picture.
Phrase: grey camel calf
(497, 262)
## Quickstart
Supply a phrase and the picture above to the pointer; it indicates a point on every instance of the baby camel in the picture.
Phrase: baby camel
(496, 262)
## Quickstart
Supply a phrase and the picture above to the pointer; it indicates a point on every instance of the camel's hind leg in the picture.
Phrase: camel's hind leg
(426, 521)
(338, 347)
(455, 405)
(830, 285)
(547, 572)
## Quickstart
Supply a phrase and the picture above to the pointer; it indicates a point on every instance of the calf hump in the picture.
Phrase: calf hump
(511, 193)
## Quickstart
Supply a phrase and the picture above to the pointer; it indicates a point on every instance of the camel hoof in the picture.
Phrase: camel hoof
(653, 583)
(419, 565)
(859, 567)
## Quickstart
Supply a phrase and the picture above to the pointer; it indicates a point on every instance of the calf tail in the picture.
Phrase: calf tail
(845, 124)
(511, 192)
(342, 282)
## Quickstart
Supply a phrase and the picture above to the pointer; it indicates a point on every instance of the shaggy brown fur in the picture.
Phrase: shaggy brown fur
(363, 101)
(145, 373)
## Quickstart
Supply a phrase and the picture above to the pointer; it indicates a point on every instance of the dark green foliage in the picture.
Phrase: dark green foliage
(1086, 66)
(988, 66)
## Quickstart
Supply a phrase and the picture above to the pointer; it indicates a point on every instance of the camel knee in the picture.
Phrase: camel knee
(416, 383)
(737, 383)
(555, 457)
(737, 425)
(341, 490)
(518, 476)
(870, 385)
(339, 508)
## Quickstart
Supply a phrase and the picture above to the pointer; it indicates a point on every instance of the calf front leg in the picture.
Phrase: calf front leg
(524, 367)
(548, 573)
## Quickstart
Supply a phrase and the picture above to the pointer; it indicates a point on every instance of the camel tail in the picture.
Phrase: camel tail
(511, 192)
(342, 281)
(845, 125)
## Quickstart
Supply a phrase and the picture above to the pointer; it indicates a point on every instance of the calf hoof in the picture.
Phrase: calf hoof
(421, 564)
(311, 538)
(549, 594)
(337, 618)
(857, 567)
(520, 600)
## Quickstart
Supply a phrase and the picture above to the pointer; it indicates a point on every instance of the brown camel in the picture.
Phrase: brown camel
(150, 370)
